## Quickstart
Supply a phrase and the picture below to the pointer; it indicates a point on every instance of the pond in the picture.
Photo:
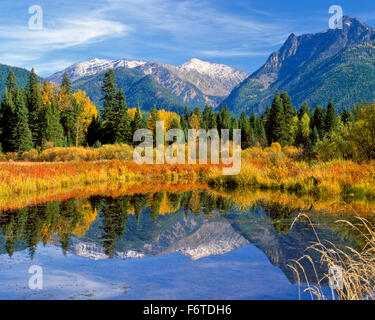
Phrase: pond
(162, 245)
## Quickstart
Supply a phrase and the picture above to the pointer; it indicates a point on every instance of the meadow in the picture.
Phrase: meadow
(272, 168)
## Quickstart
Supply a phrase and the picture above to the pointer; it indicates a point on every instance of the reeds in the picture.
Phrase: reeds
(357, 265)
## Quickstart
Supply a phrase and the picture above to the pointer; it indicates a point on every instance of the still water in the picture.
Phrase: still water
(192, 245)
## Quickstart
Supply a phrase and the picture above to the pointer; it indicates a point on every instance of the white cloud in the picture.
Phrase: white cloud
(69, 33)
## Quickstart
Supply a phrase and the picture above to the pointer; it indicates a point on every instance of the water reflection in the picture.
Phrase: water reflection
(197, 224)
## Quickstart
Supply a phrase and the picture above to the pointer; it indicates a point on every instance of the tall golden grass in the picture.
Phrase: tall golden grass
(357, 265)
(282, 169)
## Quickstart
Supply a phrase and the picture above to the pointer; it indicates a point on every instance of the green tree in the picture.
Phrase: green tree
(52, 130)
(11, 84)
(289, 113)
(93, 133)
(330, 118)
(6, 121)
(66, 85)
(318, 121)
(123, 127)
(34, 106)
(21, 134)
(247, 133)
(110, 103)
(275, 125)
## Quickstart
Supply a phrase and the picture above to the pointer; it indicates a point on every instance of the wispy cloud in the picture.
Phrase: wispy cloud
(148, 29)
(69, 33)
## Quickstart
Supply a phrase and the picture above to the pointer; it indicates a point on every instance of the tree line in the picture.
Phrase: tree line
(44, 115)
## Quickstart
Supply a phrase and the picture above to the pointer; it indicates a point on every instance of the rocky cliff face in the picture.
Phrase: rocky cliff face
(302, 67)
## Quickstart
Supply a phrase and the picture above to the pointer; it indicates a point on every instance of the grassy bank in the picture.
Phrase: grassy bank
(29, 178)
(271, 168)
(274, 168)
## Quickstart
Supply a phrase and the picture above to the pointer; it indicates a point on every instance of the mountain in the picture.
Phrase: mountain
(333, 64)
(194, 83)
(22, 76)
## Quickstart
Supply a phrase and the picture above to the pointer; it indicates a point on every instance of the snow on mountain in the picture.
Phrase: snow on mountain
(213, 70)
(210, 78)
(94, 66)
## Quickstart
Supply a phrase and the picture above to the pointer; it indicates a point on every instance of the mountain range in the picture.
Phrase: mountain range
(337, 64)
(195, 83)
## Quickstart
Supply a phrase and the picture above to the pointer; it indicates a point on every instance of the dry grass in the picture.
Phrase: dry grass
(276, 169)
(358, 266)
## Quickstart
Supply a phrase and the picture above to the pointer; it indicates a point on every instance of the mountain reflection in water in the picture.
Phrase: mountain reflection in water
(201, 225)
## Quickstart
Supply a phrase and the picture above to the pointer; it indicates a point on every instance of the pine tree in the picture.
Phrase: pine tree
(288, 116)
(21, 134)
(223, 119)
(70, 124)
(136, 123)
(315, 136)
(175, 124)
(330, 119)
(233, 125)
(247, 133)
(318, 121)
(34, 106)
(304, 109)
(7, 112)
(110, 104)
(275, 127)
(11, 84)
(93, 133)
(52, 130)
(207, 114)
(186, 114)
(153, 118)
(66, 85)
(123, 127)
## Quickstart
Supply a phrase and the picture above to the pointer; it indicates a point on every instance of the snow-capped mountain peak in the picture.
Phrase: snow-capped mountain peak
(93, 66)
(211, 69)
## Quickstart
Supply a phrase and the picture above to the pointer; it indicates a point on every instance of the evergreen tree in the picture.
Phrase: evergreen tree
(136, 123)
(7, 112)
(330, 119)
(304, 109)
(11, 84)
(175, 124)
(252, 119)
(21, 134)
(289, 114)
(123, 127)
(110, 105)
(186, 114)
(275, 126)
(34, 106)
(247, 133)
(153, 118)
(318, 121)
(93, 133)
(223, 118)
(207, 115)
(52, 130)
(66, 85)
(315, 136)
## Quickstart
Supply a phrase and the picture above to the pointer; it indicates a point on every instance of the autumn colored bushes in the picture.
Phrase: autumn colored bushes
(106, 152)
(282, 169)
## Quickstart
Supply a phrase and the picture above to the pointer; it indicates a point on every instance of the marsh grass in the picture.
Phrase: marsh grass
(358, 265)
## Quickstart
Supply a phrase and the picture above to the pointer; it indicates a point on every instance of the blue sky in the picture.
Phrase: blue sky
(236, 32)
